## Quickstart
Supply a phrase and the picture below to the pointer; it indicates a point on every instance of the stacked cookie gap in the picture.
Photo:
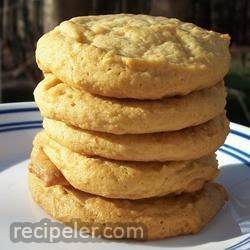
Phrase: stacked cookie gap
(133, 109)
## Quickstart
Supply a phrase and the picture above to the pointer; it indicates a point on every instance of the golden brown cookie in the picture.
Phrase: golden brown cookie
(158, 217)
(186, 144)
(57, 100)
(134, 56)
(44, 169)
(125, 179)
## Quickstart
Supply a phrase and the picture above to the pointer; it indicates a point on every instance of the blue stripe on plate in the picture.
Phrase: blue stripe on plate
(237, 150)
(243, 135)
(40, 126)
(239, 244)
(8, 111)
(19, 128)
(247, 163)
(20, 123)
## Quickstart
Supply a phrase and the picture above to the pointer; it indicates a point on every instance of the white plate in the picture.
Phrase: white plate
(230, 229)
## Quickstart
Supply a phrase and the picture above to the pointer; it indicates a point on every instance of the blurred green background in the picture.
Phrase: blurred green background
(24, 21)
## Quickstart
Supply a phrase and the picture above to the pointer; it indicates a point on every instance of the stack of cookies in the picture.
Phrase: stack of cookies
(133, 109)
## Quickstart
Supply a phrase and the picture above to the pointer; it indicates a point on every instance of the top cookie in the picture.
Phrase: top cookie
(134, 56)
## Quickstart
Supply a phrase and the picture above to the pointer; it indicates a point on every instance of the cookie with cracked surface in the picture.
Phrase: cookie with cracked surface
(59, 101)
(134, 56)
(160, 217)
(126, 179)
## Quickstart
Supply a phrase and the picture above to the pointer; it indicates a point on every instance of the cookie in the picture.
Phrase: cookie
(186, 144)
(126, 179)
(44, 169)
(58, 101)
(158, 217)
(134, 56)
